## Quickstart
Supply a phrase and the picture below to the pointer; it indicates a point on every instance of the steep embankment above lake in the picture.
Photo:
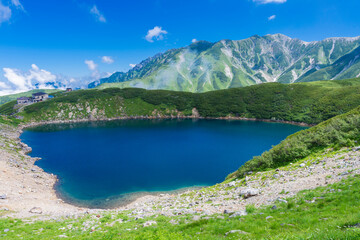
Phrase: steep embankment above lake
(340, 131)
(311, 103)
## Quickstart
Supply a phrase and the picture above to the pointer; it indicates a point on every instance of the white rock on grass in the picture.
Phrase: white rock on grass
(149, 223)
(235, 231)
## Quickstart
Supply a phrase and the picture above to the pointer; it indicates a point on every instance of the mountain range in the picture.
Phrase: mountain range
(205, 66)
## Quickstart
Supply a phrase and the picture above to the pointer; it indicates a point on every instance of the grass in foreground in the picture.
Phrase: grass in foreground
(330, 212)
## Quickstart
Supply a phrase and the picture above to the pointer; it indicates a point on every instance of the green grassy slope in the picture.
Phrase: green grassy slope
(8, 98)
(340, 131)
(301, 102)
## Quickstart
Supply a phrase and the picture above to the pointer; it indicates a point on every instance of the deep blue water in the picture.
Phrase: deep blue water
(98, 164)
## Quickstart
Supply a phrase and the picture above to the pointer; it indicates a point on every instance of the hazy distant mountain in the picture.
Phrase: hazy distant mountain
(205, 66)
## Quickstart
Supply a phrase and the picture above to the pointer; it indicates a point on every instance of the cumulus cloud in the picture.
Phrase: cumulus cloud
(91, 64)
(269, 1)
(194, 40)
(99, 16)
(132, 65)
(107, 59)
(16, 81)
(26, 81)
(5, 13)
(35, 78)
(157, 33)
(272, 17)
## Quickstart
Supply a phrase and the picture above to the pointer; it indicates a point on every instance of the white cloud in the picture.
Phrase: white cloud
(4, 85)
(107, 59)
(99, 16)
(194, 40)
(91, 64)
(156, 33)
(5, 13)
(34, 78)
(269, 1)
(272, 17)
(132, 65)
(15, 77)
(17, 4)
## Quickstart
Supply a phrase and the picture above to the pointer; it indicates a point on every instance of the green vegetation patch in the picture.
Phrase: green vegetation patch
(340, 131)
(310, 103)
(329, 212)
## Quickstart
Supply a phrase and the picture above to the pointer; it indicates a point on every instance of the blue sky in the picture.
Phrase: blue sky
(55, 39)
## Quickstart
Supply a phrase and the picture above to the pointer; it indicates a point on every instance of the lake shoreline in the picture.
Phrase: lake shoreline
(48, 200)
(28, 191)
(121, 200)
(35, 124)
(138, 195)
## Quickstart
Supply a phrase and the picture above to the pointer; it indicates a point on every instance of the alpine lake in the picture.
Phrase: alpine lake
(106, 164)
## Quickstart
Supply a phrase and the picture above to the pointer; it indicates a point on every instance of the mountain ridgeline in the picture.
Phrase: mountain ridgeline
(205, 66)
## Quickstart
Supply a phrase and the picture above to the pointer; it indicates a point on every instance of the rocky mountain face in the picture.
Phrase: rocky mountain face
(205, 66)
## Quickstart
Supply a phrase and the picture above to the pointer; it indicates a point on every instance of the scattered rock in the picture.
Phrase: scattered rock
(235, 231)
(149, 223)
(282, 200)
(36, 210)
(196, 218)
(3, 196)
(302, 165)
(228, 211)
(6, 230)
(274, 207)
(238, 214)
(356, 149)
(268, 217)
(249, 192)
(174, 222)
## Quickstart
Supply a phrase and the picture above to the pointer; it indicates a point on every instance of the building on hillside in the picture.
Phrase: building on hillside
(24, 100)
(69, 89)
(39, 97)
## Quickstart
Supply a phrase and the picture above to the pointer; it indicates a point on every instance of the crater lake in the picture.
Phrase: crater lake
(108, 164)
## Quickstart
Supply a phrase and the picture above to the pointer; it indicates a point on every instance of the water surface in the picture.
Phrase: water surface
(100, 163)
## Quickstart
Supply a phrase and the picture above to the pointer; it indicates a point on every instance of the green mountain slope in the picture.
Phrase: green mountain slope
(300, 102)
(205, 66)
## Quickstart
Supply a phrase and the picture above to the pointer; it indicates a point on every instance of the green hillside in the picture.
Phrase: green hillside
(311, 103)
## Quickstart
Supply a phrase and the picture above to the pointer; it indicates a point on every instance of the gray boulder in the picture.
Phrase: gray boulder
(235, 231)
(249, 192)
(149, 223)
(36, 210)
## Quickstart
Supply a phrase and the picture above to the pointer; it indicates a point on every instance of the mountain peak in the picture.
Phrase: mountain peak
(229, 63)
